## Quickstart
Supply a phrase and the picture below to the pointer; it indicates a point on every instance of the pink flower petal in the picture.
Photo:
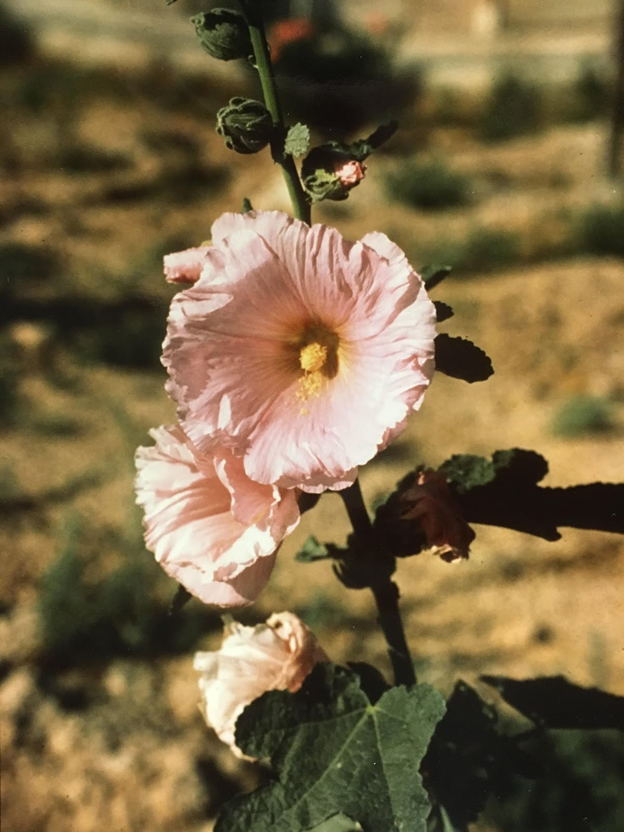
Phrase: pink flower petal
(233, 350)
(190, 527)
(239, 591)
(185, 266)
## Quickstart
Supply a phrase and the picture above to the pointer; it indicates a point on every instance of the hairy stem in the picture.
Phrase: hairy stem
(301, 207)
(385, 591)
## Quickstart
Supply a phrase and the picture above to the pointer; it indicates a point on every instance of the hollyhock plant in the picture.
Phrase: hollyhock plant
(293, 357)
(209, 526)
(299, 351)
(277, 655)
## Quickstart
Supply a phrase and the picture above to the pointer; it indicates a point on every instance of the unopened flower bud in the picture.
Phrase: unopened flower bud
(331, 171)
(277, 655)
(223, 33)
(245, 124)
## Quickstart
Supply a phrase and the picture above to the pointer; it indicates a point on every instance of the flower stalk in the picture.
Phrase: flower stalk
(385, 591)
(300, 204)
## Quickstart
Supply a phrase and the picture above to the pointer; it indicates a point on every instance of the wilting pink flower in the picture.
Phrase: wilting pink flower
(301, 352)
(185, 266)
(210, 527)
(432, 505)
(350, 173)
(277, 655)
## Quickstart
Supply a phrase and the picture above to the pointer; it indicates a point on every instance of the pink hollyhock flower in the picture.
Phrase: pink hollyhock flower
(277, 655)
(301, 352)
(350, 173)
(185, 266)
(432, 505)
(210, 527)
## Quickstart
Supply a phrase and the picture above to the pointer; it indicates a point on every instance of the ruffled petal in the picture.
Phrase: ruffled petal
(232, 356)
(191, 529)
(186, 266)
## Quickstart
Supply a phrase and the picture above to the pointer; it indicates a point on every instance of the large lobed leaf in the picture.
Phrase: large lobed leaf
(554, 702)
(505, 491)
(466, 756)
(335, 751)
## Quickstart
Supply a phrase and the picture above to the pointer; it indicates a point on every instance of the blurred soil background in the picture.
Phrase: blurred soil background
(110, 160)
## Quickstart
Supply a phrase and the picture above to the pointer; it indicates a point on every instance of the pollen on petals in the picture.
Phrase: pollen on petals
(310, 385)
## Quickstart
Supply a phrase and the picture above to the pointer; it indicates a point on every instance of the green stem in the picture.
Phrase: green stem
(301, 206)
(385, 591)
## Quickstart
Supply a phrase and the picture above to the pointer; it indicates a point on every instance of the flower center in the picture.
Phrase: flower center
(313, 357)
(318, 358)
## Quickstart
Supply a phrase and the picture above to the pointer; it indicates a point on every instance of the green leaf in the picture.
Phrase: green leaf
(514, 467)
(505, 492)
(382, 134)
(519, 465)
(247, 206)
(434, 274)
(464, 756)
(297, 140)
(467, 471)
(311, 551)
(443, 311)
(334, 751)
(553, 702)
(337, 823)
(460, 358)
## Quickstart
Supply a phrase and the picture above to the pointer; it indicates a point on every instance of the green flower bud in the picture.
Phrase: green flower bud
(223, 33)
(245, 124)
(330, 171)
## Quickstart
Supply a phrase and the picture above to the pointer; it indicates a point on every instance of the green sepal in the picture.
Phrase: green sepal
(223, 34)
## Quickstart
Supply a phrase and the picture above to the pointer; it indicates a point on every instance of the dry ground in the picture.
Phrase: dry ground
(118, 743)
